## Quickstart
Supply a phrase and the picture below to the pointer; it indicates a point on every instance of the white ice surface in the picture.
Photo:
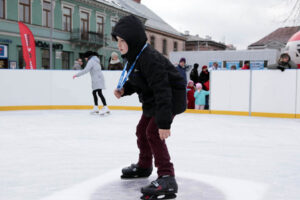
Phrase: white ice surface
(46, 153)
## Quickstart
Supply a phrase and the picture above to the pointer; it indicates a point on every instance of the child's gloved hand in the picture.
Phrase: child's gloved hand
(164, 133)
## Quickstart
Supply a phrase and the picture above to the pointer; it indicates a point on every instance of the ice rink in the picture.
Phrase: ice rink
(72, 155)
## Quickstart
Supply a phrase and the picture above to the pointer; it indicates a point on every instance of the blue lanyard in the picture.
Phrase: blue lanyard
(122, 79)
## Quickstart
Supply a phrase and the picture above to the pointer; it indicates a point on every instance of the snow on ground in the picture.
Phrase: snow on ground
(45, 152)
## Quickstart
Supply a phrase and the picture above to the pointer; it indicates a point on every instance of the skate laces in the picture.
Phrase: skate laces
(159, 181)
(155, 183)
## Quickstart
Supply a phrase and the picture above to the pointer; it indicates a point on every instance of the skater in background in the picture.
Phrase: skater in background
(190, 95)
(114, 63)
(162, 92)
(194, 76)
(93, 66)
(200, 95)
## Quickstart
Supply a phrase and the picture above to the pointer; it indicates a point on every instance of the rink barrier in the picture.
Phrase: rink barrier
(232, 92)
(276, 115)
(137, 108)
(65, 107)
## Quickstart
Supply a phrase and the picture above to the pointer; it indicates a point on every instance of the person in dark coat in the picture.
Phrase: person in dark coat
(162, 92)
(204, 77)
(194, 76)
(114, 63)
(284, 63)
(182, 68)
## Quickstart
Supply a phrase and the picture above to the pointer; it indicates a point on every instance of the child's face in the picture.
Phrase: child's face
(122, 45)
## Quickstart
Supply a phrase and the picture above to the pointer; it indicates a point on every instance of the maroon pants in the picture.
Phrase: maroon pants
(150, 144)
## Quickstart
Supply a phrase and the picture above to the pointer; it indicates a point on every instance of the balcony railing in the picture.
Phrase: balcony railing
(87, 38)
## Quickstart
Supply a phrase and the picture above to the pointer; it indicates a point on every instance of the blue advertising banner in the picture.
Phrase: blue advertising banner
(3, 51)
(259, 64)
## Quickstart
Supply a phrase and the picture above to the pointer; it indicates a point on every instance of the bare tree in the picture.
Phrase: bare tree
(294, 14)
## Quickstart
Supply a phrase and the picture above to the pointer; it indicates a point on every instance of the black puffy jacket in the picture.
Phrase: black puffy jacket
(160, 87)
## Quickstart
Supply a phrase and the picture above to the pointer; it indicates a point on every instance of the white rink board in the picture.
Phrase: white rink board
(56, 87)
(298, 92)
(230, 90)
(274, 91)
(20, 87)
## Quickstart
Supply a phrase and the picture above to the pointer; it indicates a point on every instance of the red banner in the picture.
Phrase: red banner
(28, 45)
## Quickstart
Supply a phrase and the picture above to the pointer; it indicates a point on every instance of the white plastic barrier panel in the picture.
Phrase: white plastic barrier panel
(274, 91)
(230, 90)
(56, 87)
(298, 93)
(18, 87)
(68, 91)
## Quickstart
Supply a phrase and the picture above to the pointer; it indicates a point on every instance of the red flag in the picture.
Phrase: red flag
(28, 45)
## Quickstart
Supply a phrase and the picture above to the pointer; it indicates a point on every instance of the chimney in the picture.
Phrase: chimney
(186, 33)
(138, 1)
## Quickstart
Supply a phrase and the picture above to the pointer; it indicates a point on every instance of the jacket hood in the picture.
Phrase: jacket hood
(131, 29)
(95, 58)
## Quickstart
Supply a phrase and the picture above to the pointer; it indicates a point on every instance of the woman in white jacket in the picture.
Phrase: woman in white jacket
(93, 66)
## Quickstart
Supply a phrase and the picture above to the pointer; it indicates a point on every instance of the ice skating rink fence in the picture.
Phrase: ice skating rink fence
(269, 93)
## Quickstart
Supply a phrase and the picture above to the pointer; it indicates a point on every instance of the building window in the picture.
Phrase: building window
(100, 25)
(164, 50)
(175, 46)
(21, 60)
(46, 13)
(113, 24)
(152, 41)
(67, 19)
(2, 9)
(65, 60)
(84, 24)
(45, 59)
(24, 11)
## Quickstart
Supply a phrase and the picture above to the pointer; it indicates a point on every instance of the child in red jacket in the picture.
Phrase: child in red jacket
(190, 95)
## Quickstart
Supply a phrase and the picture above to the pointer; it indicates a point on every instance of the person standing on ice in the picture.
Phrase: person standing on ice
(162, 92)
(93, 66)
(200, 95)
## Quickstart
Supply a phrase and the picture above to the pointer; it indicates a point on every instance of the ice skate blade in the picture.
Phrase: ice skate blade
(94, 113)
(158, 197)
(133, 177)
(104, 114)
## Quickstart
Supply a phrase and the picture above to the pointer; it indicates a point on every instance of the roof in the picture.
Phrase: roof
(196, 38)
(153, 20)
(112, 3)
(281, 35)
(190, 38)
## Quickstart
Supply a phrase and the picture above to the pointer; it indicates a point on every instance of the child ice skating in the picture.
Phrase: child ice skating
(93, 66)
(200, 97)
(162, 92)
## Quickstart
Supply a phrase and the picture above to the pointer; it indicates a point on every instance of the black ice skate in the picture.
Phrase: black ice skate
(164, 187)
(134, 171)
